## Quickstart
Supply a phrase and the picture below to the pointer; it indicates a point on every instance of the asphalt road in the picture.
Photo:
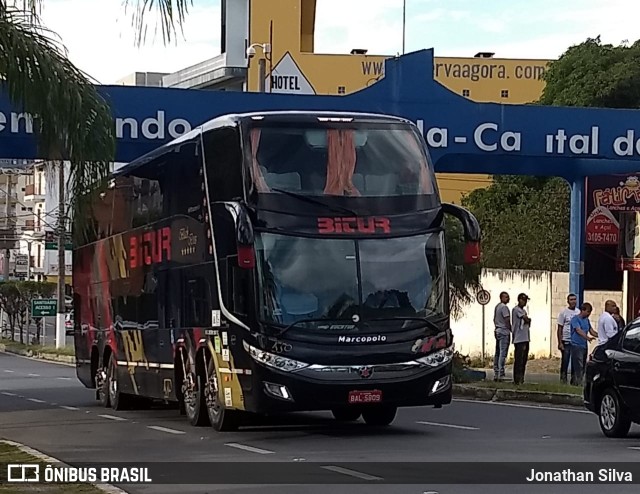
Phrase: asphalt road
(44, 406)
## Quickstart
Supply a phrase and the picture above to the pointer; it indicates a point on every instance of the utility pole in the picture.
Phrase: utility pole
(7, 252)
(62, 268)
(262, 75)
(404, 24)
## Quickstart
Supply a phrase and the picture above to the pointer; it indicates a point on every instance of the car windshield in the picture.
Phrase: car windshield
(334, 279)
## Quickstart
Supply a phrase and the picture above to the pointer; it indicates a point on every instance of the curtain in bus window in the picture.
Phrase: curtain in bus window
(426, 184)
(258, 178)
(341, 163)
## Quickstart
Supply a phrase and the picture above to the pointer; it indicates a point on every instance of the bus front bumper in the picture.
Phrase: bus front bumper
(276, 391)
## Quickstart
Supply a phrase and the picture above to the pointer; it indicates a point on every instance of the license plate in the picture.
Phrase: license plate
(374, 396)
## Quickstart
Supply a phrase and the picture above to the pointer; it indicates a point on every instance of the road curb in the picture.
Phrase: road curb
(51, 357)
(494, 394)
(108, 488)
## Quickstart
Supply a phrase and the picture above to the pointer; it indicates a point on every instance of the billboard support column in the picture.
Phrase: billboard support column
(62, 265)
(577, 238)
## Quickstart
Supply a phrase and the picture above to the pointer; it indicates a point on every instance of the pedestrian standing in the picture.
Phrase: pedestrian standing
(581, 335)
(502, 324)
(564, 333)
(619, 319)
(607, 325)
(520, 322)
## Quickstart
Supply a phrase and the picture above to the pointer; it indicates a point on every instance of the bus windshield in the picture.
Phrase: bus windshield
(333, 279)
(355, 159)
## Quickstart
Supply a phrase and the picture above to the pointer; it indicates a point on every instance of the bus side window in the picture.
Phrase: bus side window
(238, 284)
(196, 307)
(223, 158)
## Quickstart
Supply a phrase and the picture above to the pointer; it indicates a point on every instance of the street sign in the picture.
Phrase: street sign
(44, 307)
(483, 297)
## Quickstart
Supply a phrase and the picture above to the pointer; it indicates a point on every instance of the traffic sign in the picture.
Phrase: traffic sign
(483, 297)
(43, 307)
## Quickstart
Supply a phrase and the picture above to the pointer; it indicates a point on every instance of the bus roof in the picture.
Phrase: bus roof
(265, 116)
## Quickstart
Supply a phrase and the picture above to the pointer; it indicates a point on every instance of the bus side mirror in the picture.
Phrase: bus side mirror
(245, 237)
(471, 229)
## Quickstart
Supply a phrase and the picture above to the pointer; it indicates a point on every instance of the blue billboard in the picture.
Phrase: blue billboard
(463, 136)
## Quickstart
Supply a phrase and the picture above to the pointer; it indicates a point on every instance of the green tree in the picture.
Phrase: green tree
(71, 120)
(15, 301)
(32, 290)
(591, 74)
(525, 222)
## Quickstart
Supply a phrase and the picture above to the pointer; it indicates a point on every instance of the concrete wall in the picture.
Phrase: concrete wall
(548, 292)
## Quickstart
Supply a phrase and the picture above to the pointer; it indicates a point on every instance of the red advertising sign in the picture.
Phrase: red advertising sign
(602, 227)
(607, 197)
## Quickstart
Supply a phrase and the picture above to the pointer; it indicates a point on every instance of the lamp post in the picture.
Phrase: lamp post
(404, 24)
(262, 62)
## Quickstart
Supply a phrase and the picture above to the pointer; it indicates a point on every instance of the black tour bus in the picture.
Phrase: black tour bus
(270, 262)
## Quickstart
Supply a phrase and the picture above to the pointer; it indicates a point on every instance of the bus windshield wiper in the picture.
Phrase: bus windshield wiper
(423, 320)
(346, 322)
(317, 202)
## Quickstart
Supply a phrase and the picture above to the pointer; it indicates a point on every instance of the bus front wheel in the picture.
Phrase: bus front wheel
(222, 419)
(379, 415)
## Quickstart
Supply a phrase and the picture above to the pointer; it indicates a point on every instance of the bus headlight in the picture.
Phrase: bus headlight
(441, 357)
(274, 361)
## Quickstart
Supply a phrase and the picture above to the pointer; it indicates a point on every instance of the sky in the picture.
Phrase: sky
(100, 39)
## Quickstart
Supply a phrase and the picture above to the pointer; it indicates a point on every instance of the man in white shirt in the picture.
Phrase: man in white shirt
(607, 325)
(564, 333)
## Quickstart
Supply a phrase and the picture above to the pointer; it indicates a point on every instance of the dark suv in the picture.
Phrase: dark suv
(612, 382)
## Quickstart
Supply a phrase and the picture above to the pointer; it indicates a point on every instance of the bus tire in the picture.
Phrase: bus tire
(346, 414)
(379, 415)
(118, 400)
(193, 396)
(221, 418)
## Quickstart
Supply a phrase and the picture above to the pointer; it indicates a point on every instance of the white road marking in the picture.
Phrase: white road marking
(35, 400)
(112, 417)
(351, 473)
(64, 378)
(249, 448)
(6, 393)
(637, 448)
(10, 371)
(69, 408)
(34, 375)
(517, 405)
(450, 426)
(165, 429)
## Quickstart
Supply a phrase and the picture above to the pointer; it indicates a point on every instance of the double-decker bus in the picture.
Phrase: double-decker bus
(270, 262)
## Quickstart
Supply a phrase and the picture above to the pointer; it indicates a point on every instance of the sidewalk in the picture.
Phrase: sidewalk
(529, 378)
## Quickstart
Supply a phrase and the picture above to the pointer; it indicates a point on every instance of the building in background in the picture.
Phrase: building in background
(149, 79)
(293, 67)
(33, 239)
(15, 218)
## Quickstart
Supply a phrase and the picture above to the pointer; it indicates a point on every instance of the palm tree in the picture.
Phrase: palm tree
(71, 120)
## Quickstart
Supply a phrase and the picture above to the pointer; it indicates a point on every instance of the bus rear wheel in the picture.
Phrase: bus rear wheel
(379, 415)
(222, 419)
(193, 395)
(117, 400)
